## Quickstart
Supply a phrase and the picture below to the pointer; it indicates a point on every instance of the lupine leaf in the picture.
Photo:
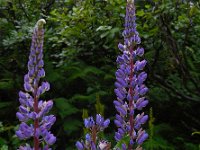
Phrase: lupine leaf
(64, 107)
(71, 125)
(125, 140)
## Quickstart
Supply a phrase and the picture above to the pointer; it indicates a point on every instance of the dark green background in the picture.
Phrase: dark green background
(80, 49)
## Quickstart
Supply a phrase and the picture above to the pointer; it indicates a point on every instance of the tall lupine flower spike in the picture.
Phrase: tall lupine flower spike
(33, 112)
(91, 139)
(130, 88)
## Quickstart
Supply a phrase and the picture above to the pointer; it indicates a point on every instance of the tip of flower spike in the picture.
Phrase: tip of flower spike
(40, 23)
(130, 1)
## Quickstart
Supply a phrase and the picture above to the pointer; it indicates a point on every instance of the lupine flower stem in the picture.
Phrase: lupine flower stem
(35, 107)
(131, 119)
(92, 142)
(94, 134)
(36, 121)
(33, 111)
(130, 87)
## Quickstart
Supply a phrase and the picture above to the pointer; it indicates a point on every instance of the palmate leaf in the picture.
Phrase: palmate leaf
(84, 71)
(52, 74)
(156, 140)
(80, 70)
(157, 143)
(6, 84)
(82, 98)
(64, 107)
(70, 125)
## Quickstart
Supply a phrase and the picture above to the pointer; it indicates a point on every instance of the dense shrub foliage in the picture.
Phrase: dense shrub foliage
(80, 49)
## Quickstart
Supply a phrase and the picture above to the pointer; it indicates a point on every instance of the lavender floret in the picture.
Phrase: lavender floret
(32, 111)
(91, 138)
(130, 88)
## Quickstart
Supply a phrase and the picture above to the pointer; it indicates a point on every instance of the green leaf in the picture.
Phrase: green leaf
(104, 34)
(140, 13)
(4, 104)
(147, 6)
(64, 107)
(157, 143)
(6, 84)
(82, 71)
(103, 28)
(71, 125)
(2, 141)
(82, 98)
(113, 32)
(85, 113)
(124, 140)
(4, 147)
(99, 107)
(191, 146)
(193, 11)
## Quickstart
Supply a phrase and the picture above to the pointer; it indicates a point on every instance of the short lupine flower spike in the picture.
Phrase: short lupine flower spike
(91, 138)
(33, 111)
(130, 88)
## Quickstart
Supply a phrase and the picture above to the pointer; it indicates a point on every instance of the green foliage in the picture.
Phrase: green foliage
(158, 143)
(11, 140)
(99, 110)
(6, 84)
(85, 114)
(71, 125)
(64, 107)
(4, 104)
(124, 140)
(151, 129)
(155, 141)
(99, 107)
(186, 145)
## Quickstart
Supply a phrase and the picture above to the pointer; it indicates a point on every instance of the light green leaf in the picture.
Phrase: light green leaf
(140, 13)
(71, 125)
(103, 28)
(124, 140)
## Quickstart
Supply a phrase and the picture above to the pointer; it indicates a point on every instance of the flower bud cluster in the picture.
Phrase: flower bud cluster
(32, 111)
(130, 88)
(92, 137)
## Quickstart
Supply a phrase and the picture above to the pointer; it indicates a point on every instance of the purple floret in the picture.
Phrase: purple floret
(31, 108)
(130, 89)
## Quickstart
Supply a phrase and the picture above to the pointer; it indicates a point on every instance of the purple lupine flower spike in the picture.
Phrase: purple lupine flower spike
(130, 88)
(32, 108)
(91, 138)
